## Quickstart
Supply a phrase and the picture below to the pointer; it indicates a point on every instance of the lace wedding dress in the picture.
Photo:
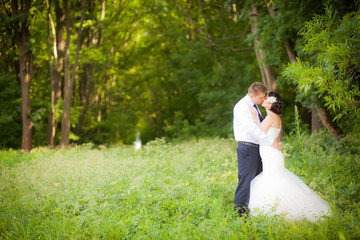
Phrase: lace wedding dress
(277, 191)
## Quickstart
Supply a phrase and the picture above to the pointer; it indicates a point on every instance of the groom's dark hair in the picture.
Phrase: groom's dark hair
(256, 88)
(276, 107)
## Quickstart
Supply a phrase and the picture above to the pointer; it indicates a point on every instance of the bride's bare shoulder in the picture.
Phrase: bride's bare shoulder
(277, 121)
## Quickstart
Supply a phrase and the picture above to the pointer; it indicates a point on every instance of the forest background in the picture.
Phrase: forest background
(93, 74)
(100, 71)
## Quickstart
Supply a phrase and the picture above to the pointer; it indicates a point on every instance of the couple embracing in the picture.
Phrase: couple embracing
(265, 186)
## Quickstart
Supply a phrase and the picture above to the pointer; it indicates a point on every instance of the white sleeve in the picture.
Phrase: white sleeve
(253, 129)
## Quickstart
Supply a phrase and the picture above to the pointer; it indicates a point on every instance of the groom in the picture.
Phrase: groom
(248, 135)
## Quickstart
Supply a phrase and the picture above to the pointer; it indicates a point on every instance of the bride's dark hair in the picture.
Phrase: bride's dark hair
(277, 106)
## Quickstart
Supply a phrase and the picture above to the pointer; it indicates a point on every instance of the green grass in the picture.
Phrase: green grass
(164, 191)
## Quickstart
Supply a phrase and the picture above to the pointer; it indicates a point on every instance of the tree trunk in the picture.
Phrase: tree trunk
(21, 37)
(316, 123)
(69, 82)
(83, 82)
(25, 75)
(267, 73)
(56, 68)
(87, 83)
(52, 70)
(290, 52)
(89, 75)
(65, 119)
(328, 123)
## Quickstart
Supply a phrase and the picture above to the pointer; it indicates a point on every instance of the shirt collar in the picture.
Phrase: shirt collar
(248, 100)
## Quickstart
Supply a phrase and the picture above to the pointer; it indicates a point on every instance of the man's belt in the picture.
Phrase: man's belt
(249, 144)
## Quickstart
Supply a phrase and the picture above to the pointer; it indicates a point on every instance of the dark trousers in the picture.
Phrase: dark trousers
(249, 166)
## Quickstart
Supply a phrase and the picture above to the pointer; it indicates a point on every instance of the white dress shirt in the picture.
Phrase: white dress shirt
(245, 129)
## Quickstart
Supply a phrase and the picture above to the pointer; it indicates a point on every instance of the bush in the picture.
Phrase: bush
(166, 190)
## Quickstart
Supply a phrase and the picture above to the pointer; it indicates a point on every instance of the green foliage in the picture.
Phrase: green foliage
(10, 112)
(166, 190)
(183, 84)
(290, 17)
(330, 70)
(175, 69)
(332, 166)
(299, 147)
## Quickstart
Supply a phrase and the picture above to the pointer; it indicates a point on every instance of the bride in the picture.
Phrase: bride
(277, 191)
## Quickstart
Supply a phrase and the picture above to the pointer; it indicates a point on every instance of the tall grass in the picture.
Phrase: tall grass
(166, 190)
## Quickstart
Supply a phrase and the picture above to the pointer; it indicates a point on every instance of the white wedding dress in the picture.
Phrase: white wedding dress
(277, 191)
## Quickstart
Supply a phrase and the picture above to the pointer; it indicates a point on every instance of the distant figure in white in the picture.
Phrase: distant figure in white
(137, 143)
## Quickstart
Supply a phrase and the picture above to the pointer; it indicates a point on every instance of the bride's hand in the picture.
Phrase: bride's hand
(254, 114)
(276, 146)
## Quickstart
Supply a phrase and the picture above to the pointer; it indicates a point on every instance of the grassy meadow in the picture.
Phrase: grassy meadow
(167, 190)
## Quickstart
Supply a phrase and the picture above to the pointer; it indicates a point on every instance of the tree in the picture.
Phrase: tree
(331, 71)
(315, 121)
(56, 65)
(267, 72)
(70, 81)
(93, 35)
(19, 28)
(288, 18)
